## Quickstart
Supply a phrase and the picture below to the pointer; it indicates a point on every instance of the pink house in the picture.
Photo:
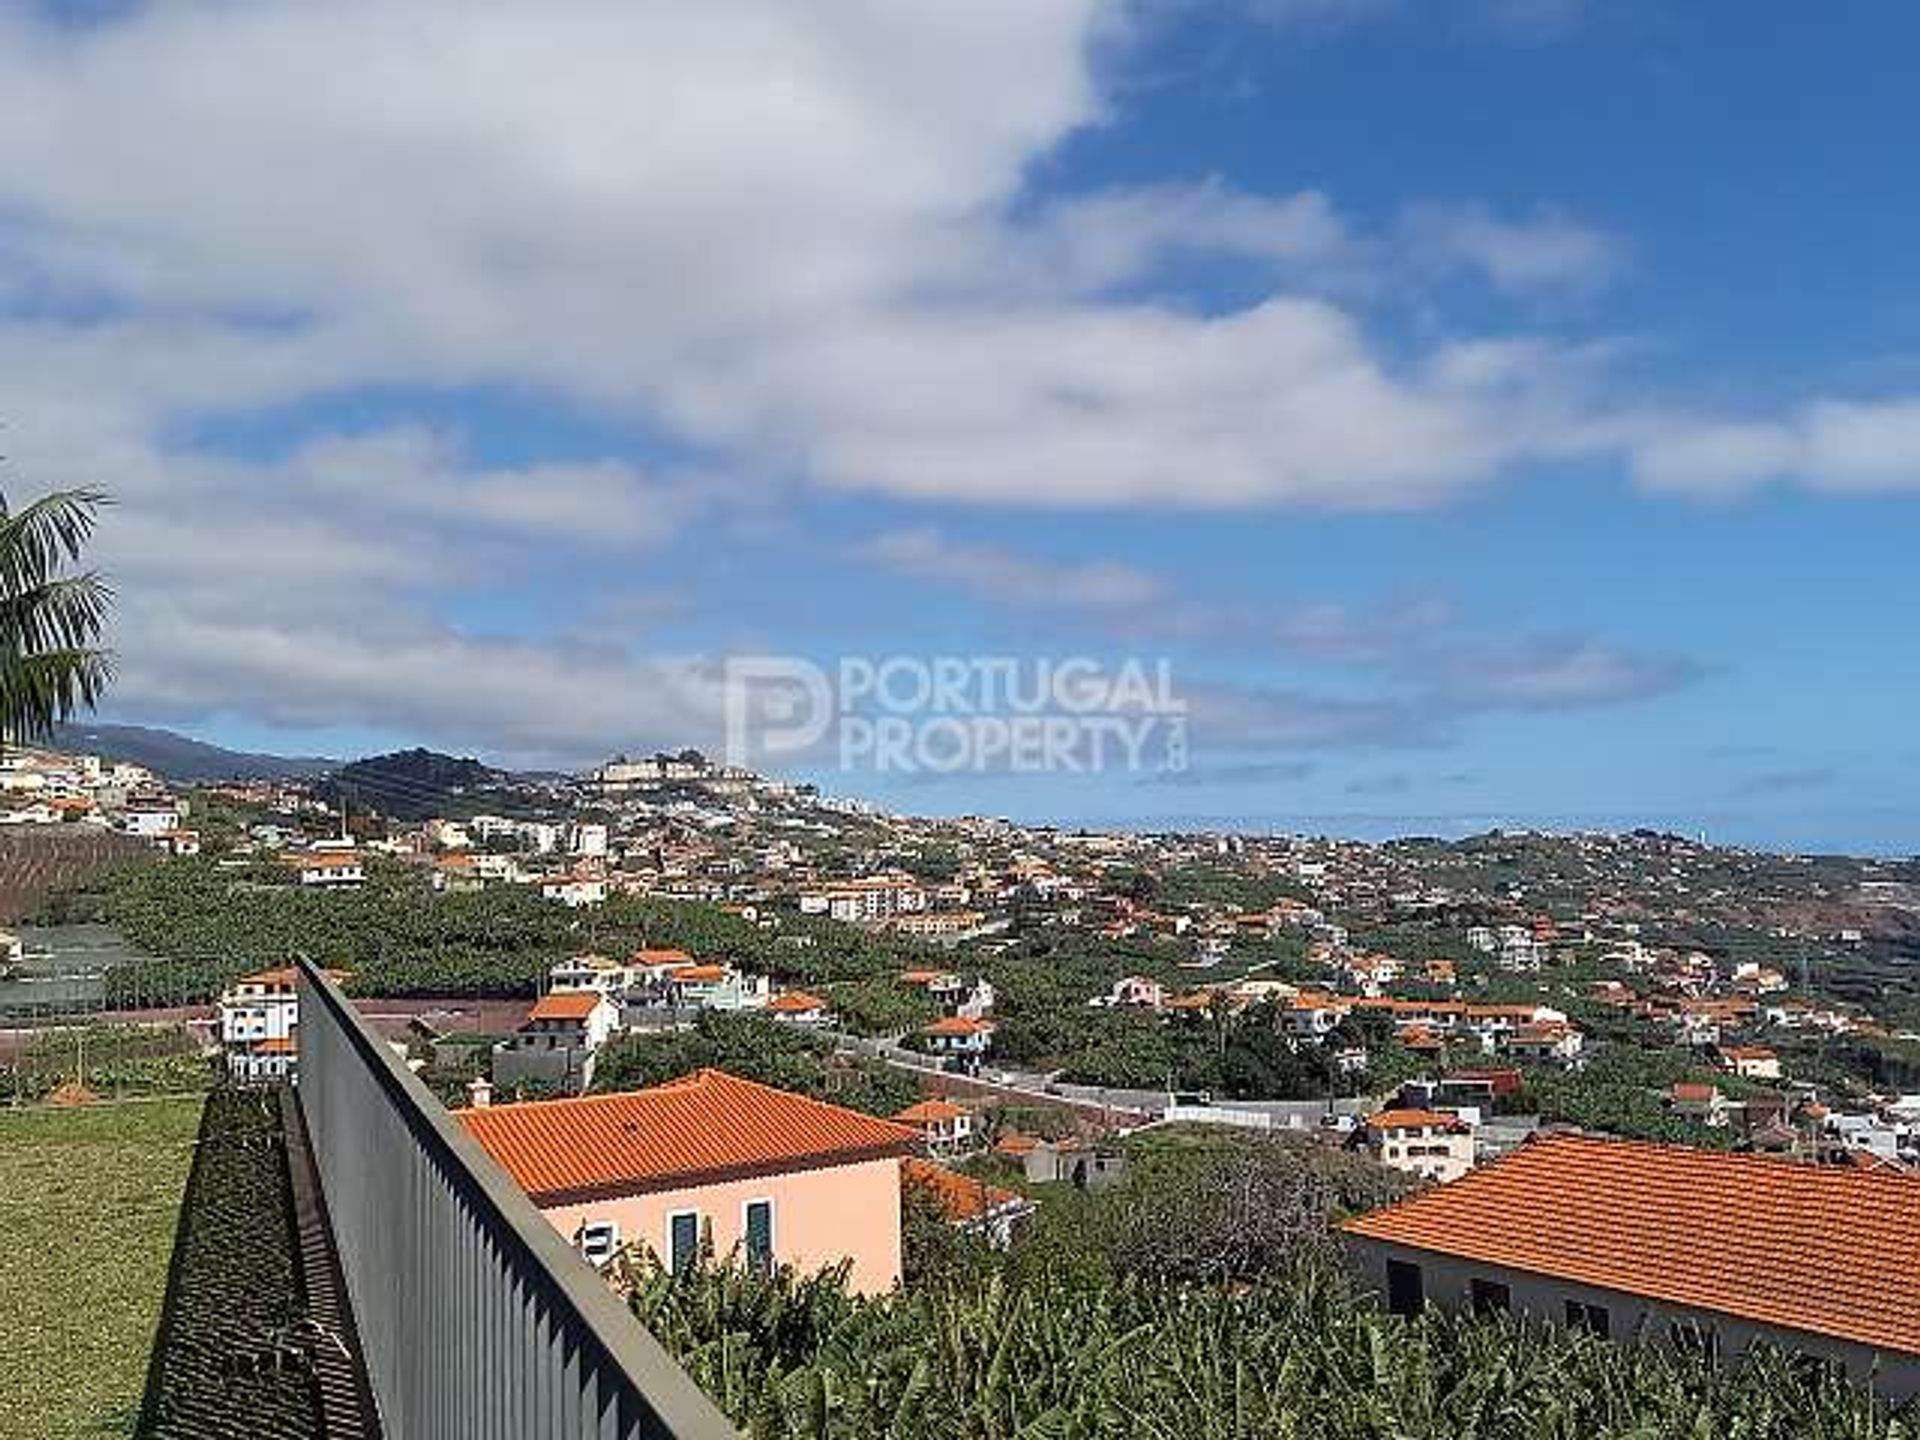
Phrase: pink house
(772, 1177)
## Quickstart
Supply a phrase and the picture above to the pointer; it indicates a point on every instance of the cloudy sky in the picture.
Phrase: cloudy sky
(1499, 410)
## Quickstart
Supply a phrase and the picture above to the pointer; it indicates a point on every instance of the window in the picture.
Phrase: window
(1690, 1337)
(1489, 1297)
(759, 1236)
(683, 1240)
(1592, 1318)
(1405, 1295)
(598, 1240)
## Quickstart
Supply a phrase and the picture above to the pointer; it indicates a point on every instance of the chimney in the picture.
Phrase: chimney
(479, 1092)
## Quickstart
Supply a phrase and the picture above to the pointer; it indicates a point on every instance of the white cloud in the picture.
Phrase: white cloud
(1831, 445)
(611, 201)
(1543, 250)
(991, 573)
(1104, 238)
(796, 238)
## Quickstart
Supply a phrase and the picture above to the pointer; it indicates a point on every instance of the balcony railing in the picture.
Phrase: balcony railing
(476, 1320)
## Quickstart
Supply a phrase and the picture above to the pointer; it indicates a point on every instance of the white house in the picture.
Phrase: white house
(1751, 1062)
(596, 973)
(1427, 1143)
(945, 1129)
(574, 891)
(329, 866)
(797, 1007)
(558, 1041)
(1135, 990)
(960, 1037)
(260, 1024)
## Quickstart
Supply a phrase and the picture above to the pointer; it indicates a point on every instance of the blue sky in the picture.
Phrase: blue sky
(1498, 412)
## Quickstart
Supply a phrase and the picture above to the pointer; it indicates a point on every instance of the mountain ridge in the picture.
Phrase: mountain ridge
(183, 759)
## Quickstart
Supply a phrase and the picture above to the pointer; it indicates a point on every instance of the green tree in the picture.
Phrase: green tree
(50, 620)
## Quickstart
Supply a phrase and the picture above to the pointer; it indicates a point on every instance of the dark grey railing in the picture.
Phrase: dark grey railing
(477, 1321)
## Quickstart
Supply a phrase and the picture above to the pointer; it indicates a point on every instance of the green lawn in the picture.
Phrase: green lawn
(88, 1201)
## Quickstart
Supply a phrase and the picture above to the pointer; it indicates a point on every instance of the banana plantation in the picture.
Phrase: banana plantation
(1053, 1357)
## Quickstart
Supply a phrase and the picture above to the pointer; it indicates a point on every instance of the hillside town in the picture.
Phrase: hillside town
(855, 1025)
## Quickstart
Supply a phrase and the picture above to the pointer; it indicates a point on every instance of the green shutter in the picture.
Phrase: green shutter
(685, 1242)
(760, 1235)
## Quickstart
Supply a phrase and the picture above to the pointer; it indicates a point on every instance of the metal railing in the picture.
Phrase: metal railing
(476, 1320)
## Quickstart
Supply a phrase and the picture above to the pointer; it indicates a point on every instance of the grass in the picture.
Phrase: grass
(89, 1198)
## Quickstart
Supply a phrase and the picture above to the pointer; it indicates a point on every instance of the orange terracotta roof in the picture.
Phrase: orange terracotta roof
(796, 1002)
(566, 1005)
(321, 860)
(697, 974)
(1413, 1119)
(1693, 1090)
(277, 1045)
(1013, 1143)
(927, 1110)
(1826, 1250)
(961, 1198)
(693, 1131)
(960, 1025)
(285, 975)
(661, 957)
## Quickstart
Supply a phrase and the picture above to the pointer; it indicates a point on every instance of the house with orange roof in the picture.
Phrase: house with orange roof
(797, 1007)
(945, 1129)
(260, 1024)
(715, 985)
(1014, 1145)
(587, 971)
(1312, 1016)
(960, 1038)
(762, 1175)
(1669, 1244)
(558, 1042)
(331, 866)
(1429, 1144)
(966, 1201)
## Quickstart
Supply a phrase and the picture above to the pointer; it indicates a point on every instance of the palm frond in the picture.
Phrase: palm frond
(50, 532)
(69, 612)
(39, 691)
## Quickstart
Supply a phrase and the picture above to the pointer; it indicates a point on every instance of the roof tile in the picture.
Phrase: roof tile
(1826, 1250)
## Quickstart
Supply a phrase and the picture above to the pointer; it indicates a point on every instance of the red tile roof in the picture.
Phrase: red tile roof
(796, 1002)
(960, 1025)
(692, 1131)
(1826, 1250)
(1414, 1120)
(697, 974)
(927, 1110)
(961, 1198)
(567, 1005)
